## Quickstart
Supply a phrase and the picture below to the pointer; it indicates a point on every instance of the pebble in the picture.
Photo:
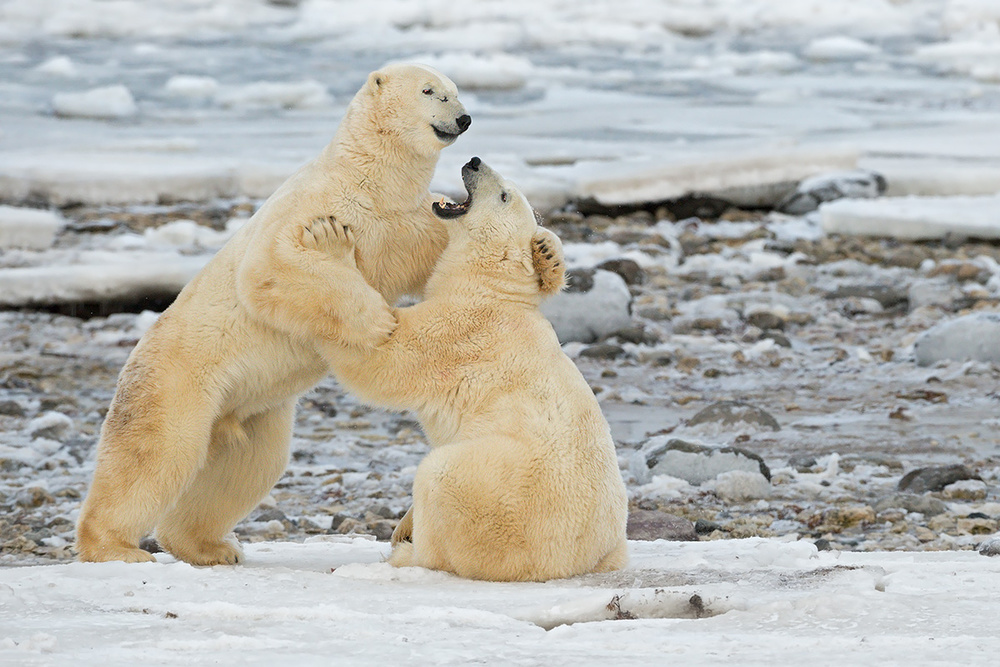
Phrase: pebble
(735, 413)
(648, 525)
(990, 546)
(926, 505)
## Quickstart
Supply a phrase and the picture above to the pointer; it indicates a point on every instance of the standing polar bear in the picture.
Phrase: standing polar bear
(522, 482)
(199, 428)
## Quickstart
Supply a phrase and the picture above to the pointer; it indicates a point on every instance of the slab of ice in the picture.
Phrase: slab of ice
(28, 228)
(914, 217)
(152, 273)
(712, 172)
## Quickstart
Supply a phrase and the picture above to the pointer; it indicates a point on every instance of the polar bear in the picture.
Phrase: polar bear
(522, 481)
(199, 428)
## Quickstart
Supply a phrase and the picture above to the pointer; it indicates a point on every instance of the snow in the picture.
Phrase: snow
(724, 602)
(914, 217)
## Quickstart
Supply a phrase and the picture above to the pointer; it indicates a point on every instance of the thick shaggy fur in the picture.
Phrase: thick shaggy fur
(522, 482)
(199, 427)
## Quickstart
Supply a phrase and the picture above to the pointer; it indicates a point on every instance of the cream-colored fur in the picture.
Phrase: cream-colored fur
(199, 427)
(522, 482)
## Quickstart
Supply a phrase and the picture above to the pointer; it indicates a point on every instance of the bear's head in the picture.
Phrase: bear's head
(416, 104)
(491, 233)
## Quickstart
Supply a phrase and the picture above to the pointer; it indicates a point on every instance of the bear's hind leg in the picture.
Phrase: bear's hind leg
(245, 460)
(146, 457)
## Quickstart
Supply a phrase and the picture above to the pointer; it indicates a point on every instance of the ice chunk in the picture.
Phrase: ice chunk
(109, 102)
(839, 47)
(29, 228)
(974, 337)
(709, 174)
(914, 218)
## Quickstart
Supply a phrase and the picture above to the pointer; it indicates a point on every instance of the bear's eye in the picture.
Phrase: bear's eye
(503, 196)
(428, 91)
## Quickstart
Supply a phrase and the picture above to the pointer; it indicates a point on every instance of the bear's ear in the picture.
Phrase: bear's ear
(376, 80)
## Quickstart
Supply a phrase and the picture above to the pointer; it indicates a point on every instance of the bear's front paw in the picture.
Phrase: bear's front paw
(329, 237)
(547, 257)
(372, 327)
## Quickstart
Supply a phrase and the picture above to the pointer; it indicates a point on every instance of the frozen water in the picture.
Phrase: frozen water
(34, 229)
(914, 217)
(973, 337)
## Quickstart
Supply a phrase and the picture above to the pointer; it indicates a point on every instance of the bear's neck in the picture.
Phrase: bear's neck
(379, 162)
(459, 277)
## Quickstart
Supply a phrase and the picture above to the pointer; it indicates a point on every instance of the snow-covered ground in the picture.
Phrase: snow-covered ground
(333, 601)
(849, 348)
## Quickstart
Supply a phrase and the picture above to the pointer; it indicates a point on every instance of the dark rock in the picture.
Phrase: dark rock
(765, 319)
(628, 269)
(706, 527)
(648, 525)
(272, 514)
(382, 529)
(602, 351)
(637, 335)
(151, 545)
(11, 408)
(936, 478)
(732, 413)
(823, 544)
(579, 280)
(802, 462)
(926, 505)
(779, 338)
(886, 295)
(908, 256)
(990, 546)
(385, 512)
(336, 520)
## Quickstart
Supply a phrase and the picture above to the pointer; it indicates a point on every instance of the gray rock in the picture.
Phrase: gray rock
(734, 413)
(698, 463)
(811, 192)
(628, 269)
(272, 514)
(596, 304)
(888, 296)
(936, 478)
(990, 546)
(602, 351)
(11, 408)
(706, 527)
(974, 337)
(910, 502)
(936, 292)
(648, 525)
(766, 320)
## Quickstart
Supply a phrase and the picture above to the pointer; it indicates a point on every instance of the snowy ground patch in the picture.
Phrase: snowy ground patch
(333, 598)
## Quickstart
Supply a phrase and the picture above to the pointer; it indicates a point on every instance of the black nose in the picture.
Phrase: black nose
(464, 121)
(474, 163)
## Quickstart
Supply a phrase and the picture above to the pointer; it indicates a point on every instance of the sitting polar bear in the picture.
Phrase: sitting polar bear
(522, 482)
(199, 428)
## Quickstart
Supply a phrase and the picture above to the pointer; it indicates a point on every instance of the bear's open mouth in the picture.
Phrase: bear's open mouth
(447, 137)
(450, 209)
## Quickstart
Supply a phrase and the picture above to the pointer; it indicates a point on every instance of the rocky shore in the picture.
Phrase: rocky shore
(761, 379)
